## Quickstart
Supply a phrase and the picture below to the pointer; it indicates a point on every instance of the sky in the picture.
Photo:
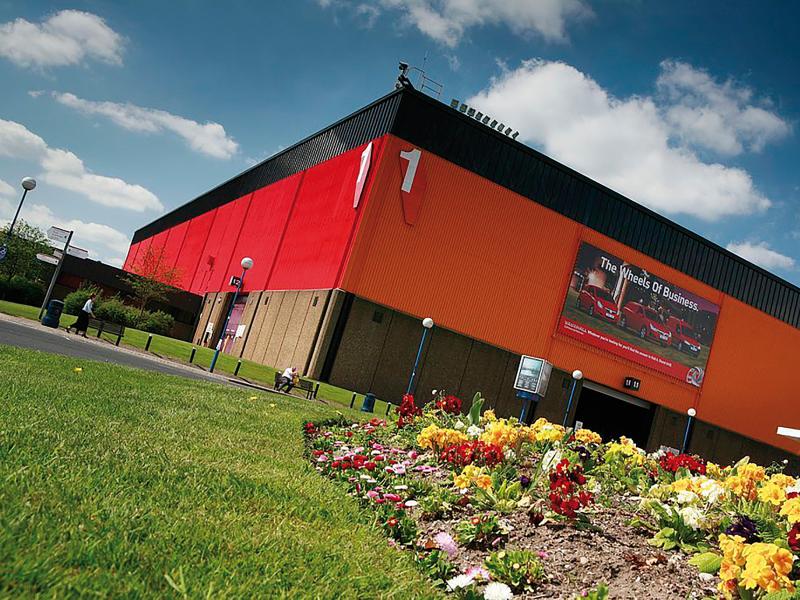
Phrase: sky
(125, 110)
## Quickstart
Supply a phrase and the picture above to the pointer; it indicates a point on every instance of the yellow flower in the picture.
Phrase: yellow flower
(461, 481)
(751, 471)
(587, 436)
(78, 370)
(772, 494)
(435, 438)
(791, 510)
(783, 481)
(741, 486)
(489, 416)
(501, 433)
(484, 482)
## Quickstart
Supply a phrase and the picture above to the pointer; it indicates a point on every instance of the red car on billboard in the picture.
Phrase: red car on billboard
(683, 336)
(646, 321)
(598, 302)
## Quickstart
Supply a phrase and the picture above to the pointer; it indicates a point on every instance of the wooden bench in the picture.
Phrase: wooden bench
(305, 385)
(106, 327)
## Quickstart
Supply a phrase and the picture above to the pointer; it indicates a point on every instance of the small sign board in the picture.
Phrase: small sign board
(240, 331)
(47, 258)
(631, 383)
(533, 375)
(58, 235)
(3, 252)
(77, 252)
(236, 281)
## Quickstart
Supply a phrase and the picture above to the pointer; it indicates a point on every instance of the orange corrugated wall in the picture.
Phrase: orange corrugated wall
(493, 265)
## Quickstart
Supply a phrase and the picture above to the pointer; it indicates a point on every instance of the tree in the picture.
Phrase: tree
(154, 278)
(23, 245)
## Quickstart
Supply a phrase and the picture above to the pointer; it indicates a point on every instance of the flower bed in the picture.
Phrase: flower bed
(491, 508)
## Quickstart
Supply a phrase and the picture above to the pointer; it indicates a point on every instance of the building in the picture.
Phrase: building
(83, 272)
(409, 208)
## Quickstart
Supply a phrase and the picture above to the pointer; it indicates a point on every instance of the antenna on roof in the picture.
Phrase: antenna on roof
(424, 83)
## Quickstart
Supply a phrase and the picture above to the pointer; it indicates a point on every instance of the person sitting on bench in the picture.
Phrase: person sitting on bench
(288, 380)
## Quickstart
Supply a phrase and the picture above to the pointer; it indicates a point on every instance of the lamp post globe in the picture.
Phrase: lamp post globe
(577, 374)
(247, 263)
(28, 183)
(427, 322)
(691, 412)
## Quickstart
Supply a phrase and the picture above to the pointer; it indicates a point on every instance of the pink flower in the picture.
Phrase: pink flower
(543, 555)
(446, 543)
(372, 494)
(477, 573)
(392, 497)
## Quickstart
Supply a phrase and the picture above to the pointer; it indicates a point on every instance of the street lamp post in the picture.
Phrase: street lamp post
(427, 323)
(247, 263)
(28, 183)
(577, 375)
(689, 422)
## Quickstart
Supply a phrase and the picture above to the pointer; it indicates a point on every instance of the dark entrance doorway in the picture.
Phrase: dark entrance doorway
(611, 416)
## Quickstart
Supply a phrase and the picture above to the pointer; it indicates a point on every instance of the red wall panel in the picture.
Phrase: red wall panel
(192, 249)
(322, 222)
(260, 235)
(298, 231)
(224, 239)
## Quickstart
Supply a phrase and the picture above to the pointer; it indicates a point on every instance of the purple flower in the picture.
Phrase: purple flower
(746, 528)
(446, 543)
(524, 481)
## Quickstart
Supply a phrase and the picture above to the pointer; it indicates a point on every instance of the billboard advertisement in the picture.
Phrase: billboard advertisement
(623, 309)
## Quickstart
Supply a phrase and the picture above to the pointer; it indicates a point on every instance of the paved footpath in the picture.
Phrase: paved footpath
(25, 333)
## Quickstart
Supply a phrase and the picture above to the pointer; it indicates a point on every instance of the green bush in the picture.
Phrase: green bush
(18, 289)
(74, 301)
(114, 310)
(157, 322)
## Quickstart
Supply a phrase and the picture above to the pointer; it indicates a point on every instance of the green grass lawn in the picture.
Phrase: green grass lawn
(179, 350)
(116, 482)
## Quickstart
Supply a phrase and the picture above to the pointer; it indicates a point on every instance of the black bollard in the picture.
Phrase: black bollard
(149, 340)
(353, 400)
(238, 366)
(191, 356)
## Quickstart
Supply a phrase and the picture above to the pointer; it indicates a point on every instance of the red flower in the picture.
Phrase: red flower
(449, 404)
(794, 537)
(672, 462)
(565, 496)
(370, 466)
(474, 452)
(407, 411)
(392, 522)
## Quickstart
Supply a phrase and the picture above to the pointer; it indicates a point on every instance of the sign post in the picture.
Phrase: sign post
(57, 235)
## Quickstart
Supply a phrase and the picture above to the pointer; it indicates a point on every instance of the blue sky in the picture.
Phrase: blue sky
(125, 110)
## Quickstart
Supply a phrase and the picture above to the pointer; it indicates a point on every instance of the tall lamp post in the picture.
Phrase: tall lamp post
(427, 324)
(28, 183)
(577, 375)
(247, 263)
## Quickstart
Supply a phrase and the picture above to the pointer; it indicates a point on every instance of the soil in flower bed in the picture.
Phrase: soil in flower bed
(575, 560)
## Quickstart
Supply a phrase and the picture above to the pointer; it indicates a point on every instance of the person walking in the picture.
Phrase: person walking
(288, 380)
(82, 324)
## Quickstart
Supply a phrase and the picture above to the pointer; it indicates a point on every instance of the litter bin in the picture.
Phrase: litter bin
(53, 314)
(369, 403)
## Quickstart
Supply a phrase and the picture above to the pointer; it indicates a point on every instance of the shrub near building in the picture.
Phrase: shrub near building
(114, 310)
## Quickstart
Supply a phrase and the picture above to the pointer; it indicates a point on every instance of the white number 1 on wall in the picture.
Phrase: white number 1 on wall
(412, 156)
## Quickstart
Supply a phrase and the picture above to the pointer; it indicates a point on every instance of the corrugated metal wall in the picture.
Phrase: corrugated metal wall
(492, 265)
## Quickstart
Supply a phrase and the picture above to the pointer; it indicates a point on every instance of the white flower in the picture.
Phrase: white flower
(692, 516)
(686, 497)
(550, 459)
(474, 431)
(458, 582)
(711, 490)
(459, 425)
(794, 488)
(510, 454)
(497, 591)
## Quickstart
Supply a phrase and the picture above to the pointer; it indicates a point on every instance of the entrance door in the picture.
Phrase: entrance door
(614, 415)
(229, 335)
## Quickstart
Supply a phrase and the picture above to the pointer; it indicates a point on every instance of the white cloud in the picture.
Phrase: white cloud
(7, 190)
(207, 138)
(69, 37)
(720, 117)
(447, 21)
(623, 143)
(761, 254)
(98, 238)
(61, 168)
